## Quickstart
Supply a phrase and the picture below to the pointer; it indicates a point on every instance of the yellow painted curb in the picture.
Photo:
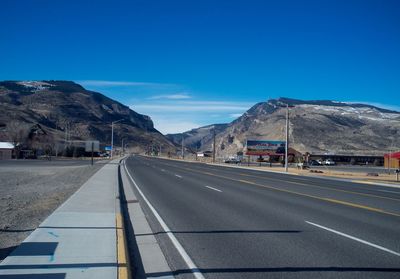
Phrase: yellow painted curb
(122, 250)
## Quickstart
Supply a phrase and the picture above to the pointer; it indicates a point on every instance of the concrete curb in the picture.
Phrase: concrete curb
(123, 258)
(148, 257)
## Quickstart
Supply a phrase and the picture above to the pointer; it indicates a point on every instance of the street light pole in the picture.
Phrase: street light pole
(287, 138)
(182, 151)
(112, 136)
(214, 145)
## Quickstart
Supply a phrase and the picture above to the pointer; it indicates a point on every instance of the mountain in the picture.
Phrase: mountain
(66, 109)
(320, 126)
(196, 138)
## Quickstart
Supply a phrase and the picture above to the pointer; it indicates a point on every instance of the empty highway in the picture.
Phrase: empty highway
(222, 222)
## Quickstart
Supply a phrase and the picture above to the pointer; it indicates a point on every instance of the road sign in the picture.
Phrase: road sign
(89, 144)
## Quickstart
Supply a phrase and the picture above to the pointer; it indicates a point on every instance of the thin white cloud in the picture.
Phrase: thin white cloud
(173, 125)
(188, 108)
(171, 97)
(175, 116)
(217, 103)
(235, 115)
(109, 83)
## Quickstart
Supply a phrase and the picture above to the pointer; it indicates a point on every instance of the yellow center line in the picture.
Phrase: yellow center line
(358, 205)
(343, 191)
(302, 194)
(324, 188)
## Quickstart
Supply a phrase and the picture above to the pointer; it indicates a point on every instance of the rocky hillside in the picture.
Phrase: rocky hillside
(195, 139)
(315, 126)
(66, 109)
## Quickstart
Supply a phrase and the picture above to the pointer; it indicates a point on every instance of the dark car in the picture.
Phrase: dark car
(314, 163)
(232, 161)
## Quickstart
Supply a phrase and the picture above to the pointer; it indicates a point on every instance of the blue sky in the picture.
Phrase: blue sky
(193, 63)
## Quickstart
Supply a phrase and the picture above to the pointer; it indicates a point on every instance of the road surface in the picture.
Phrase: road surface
(237, 223)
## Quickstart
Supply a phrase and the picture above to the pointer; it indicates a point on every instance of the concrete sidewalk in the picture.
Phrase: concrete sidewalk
(78, 240)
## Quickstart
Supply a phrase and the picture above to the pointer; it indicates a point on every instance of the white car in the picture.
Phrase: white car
(329, 162)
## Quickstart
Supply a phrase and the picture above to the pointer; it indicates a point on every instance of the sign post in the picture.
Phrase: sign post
(92, 146)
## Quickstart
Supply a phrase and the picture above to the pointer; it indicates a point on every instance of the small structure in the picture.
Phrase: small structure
(348, 159)
(392, 160)
(204, 154)
(269, 151)
(6, 149)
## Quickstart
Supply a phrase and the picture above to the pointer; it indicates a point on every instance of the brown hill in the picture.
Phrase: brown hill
(315, 126)
(66, 110)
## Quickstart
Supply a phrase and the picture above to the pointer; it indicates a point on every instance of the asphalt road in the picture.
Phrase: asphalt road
(237, 223)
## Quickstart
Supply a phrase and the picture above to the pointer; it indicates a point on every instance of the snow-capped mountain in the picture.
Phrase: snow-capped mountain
(314, 126)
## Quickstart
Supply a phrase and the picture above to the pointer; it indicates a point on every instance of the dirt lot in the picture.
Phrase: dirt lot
(30, 190)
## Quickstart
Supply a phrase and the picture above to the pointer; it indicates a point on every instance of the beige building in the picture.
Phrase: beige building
(6, 149)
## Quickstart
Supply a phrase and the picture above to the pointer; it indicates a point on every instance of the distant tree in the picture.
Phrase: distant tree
(47, 144)
(17, 133)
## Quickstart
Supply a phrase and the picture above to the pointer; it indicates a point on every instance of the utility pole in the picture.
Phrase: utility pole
(182, 152)
(112, 136)
(112, 139)
(287, 138)
(92, 151)
(214, 145)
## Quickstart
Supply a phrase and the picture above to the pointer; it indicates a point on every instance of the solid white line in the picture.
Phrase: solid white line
(178, 176)
(212, 188)
(195, 270)
(356, 239)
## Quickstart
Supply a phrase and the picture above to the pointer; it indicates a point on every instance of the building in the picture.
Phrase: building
(392, 160)
(348, 159)
(6, 149)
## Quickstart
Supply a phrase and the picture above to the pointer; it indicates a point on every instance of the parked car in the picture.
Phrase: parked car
(329, 162)
(314, 163)
(232, 161)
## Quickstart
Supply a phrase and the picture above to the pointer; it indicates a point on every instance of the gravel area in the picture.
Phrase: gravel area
(31, 190)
